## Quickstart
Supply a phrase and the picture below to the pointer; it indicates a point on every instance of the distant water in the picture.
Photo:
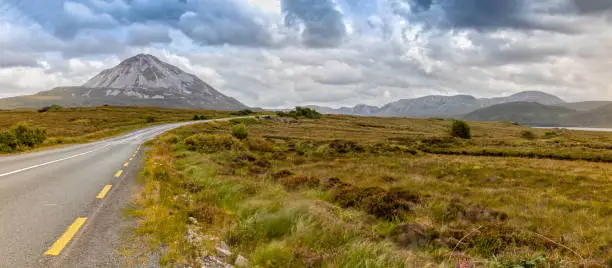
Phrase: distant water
(582, 128)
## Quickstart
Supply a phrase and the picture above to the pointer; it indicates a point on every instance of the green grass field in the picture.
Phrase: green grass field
(347, 191)
(79, 125)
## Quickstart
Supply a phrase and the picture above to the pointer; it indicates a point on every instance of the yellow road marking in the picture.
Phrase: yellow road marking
(118, 174)
(104, 191)
(59, 245)
(126, 164)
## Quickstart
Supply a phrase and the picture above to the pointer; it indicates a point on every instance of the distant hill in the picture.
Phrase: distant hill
(431, 106)
(527, 113)
(585, 105)
(360, 109)
(142, 80)
(600, 117)
(440, 106)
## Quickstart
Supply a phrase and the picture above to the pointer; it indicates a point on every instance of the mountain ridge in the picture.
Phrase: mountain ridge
(441, 106)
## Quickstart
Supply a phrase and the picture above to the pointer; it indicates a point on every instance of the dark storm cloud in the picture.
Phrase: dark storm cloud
(481, 15)
(210, 22)
(592, 6)
(323, 23)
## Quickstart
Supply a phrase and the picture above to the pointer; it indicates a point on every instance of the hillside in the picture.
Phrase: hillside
(585, 105)
(142, 80)
(430, 106)
(600, 117)
(528, 113)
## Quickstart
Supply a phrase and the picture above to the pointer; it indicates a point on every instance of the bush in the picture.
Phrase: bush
(240, 131)
(301, 112)
(150, 119)
(209, 143)
(21, 135)
(461, 129)
(528, 135)
(29, 136)
(8, 141)
(200, 117)
(243, 112)
(52, 108)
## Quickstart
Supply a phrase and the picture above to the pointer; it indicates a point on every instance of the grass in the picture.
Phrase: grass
(346, 191)
(80, 125)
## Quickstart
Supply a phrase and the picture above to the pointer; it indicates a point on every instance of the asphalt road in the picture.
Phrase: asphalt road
(56, 208)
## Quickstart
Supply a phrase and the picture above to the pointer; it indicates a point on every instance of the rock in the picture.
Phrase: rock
(241, 261)
(214, 262)
(223, 250)
(193, 220)
(223, 245)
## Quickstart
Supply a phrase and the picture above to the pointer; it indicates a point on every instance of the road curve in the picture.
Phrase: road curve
(49, 198)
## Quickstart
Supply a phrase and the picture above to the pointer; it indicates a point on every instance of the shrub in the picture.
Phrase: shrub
(301, 112)
(345, 147)
(8, 141)
(243, 112)
(200, 117)
(240, 131)
(171, 139)
(52, 108)
(460, 129)
(528, 135)
(29, 136)
(150, 119)
(209, 143)
(21, 135)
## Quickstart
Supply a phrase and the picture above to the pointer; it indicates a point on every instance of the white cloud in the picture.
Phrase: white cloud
(395, 58)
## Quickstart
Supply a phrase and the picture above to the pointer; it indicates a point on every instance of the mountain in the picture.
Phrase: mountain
(431, 106)
(586, 105)
(360, 109)
(528, 113)
(142, 80)
(525, 96)
(453, 106)
(440, 106)
(599, 117)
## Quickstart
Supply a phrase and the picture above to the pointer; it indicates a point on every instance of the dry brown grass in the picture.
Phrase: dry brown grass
(352, 192)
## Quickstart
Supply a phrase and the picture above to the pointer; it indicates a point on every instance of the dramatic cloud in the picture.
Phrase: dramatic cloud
(277, 53)
(322, 23)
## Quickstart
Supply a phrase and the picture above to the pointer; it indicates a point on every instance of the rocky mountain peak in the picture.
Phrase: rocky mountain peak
(144, 71)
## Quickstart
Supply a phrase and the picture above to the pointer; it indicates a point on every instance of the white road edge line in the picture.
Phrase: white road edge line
(54, 161)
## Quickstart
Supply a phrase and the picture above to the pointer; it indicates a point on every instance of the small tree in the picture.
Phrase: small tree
(461, 129)
(240, 131)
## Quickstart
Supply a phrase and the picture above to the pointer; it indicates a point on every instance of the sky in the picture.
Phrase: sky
(281, 53)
